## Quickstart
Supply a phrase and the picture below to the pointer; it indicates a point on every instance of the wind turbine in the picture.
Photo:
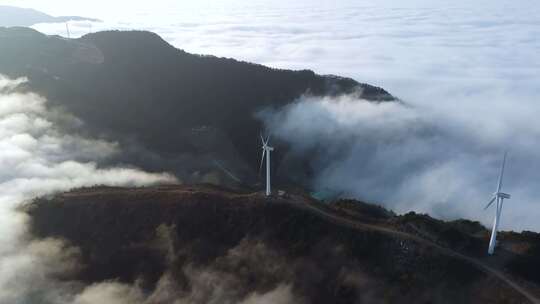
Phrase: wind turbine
(67, 30)
(499, 197)
(266, 152)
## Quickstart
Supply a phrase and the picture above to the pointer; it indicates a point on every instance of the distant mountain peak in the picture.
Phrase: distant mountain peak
(17, 16)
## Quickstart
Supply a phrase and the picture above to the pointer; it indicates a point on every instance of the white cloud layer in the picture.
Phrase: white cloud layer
(473, 64)
(38, 159)
(417, 158)
(405, 46)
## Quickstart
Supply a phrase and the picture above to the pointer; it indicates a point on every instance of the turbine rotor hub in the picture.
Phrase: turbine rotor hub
(503, 195)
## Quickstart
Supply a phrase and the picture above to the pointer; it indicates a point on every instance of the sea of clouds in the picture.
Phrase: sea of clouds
(468, 74)
(467, 71)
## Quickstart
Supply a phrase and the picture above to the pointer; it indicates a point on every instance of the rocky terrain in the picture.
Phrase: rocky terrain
(204, 244)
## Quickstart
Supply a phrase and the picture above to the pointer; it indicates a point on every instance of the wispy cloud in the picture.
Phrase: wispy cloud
(416, 158)
(37, 158)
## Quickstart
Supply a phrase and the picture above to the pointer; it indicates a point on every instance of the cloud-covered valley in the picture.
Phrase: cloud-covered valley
(468, 72)
(415, 157)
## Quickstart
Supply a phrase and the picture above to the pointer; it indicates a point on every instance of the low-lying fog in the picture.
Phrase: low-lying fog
(468, 70)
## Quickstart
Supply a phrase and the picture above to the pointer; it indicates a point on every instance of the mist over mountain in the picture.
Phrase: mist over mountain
(40, 158)
(200, 117)
(468, 71)
(16, 16)
(168, 109)
(126, 108)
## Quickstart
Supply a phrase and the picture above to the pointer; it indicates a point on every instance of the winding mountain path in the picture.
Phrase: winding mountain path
(304, 203)
(363, 226)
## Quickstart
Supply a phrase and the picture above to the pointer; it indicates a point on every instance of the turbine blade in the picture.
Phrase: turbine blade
(262, 138)
(499, 185)
(268, 139)
(490, 202)
(262, 160)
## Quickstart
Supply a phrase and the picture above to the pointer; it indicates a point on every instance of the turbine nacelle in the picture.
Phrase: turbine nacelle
(502, 195)
(497, 195)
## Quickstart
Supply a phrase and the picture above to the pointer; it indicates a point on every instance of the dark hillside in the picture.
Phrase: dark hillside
(169, 108)
(254, 245)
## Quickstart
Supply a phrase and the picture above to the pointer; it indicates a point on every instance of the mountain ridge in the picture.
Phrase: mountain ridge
(17, 16)
(134, 88)
(216, 229)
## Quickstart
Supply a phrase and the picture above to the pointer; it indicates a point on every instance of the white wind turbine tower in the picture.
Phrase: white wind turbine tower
(499, 197)
(266, 152)
(67, 30)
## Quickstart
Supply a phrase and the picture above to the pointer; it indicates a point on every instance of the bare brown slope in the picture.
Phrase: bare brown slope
(260, 244)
